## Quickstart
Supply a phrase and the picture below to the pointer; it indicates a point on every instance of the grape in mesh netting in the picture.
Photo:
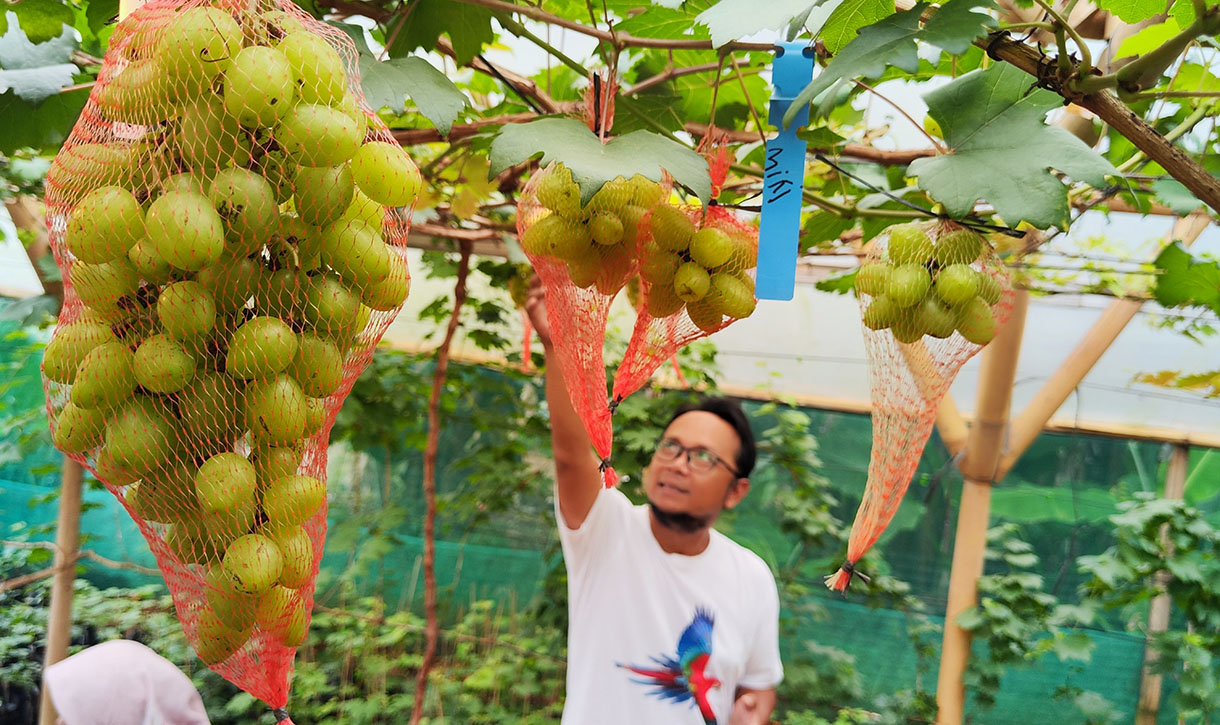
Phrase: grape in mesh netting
(585, 254)
(231, 220)
(694, 280)
(931, 295)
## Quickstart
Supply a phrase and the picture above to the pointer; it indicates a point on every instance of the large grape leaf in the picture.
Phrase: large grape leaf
(468, 27)
(41, 20)
(846, 21)
(1001, 150)
(45, 126)
(729, 20)
(593, 163)
(1185, 282)
(387, 83)
(35, 71)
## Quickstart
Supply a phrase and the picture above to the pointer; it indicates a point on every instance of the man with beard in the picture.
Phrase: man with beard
(669, 620)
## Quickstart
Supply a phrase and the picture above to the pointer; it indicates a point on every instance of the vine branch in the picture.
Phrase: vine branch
(432, 632)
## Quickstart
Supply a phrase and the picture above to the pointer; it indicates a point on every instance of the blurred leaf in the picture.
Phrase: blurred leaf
(468, 27)
(1185, 282)
(41, 20)
(730, 20)
(41, 127)
(1176, 196)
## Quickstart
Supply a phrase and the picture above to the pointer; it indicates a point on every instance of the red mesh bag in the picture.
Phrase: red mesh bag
(694, 280)
(584, 255)
(931, 295)
(231, 220)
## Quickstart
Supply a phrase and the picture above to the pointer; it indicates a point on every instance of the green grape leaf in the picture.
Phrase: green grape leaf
(849, 18)
(730, 20)
(841, 284)
(957, 24)
(356, 33)
(666, 22)
(593, 163)
(820, 138)
(101, 13)
(1133, 11)
(387, 83)
(468, 27)
(1149, 38)
(993, 123)
(45, 126)
(1194, 77)
(889, 42)
(1184, 282)
(1175, 195)
(18, 50)
(41, 20)
(32, 85)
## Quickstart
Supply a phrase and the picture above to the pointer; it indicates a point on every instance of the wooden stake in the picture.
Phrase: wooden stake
(999, 369)
(951, 425)
(1158, 611)
(1027, 425)
(67, 545)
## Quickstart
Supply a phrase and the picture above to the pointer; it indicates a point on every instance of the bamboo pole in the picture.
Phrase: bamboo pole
(67, 546)
(1027, 425)
(1158, 610)
(954, 432)
(999, 369)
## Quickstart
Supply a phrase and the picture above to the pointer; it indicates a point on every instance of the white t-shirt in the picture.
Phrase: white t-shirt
(630, 603)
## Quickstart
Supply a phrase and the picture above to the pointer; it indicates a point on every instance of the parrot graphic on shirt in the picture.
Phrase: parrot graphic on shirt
(684, 678)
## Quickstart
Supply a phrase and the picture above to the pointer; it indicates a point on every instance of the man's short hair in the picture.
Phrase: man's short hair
(730, 412)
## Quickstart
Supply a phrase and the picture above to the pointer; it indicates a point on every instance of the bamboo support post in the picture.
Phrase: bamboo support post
(67, 545)
(999, 369)
(1158, 611)
(951, 425)
(1031, 421)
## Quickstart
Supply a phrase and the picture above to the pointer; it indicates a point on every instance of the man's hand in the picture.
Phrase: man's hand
(752, 707)
(535, 307)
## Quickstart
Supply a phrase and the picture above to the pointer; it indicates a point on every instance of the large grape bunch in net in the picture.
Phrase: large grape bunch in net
(585, 254)
(695, 278)
(931, 295)
(231, 220)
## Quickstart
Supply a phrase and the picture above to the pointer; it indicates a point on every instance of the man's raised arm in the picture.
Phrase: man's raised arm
(577, 479)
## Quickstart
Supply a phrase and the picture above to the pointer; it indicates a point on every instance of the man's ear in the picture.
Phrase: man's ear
(737, 491)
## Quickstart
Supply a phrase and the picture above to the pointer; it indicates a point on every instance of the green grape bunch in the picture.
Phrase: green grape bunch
(596, 244)
(932, 279)
(699, 263)
(231, 222)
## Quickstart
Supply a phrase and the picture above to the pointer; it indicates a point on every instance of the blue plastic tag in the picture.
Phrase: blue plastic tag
(783, 176)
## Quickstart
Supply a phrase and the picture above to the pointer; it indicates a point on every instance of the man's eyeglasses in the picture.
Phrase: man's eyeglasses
(700, 460)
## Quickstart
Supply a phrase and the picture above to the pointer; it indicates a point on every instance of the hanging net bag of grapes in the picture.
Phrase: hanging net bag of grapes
(932, 295)
(695, 278)
(584, 254)
(231, 221)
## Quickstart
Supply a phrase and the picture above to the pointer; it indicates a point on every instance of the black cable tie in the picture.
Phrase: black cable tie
(850, 568)
(613, 404)
(995, 40)
(281, 714)
(601, 467)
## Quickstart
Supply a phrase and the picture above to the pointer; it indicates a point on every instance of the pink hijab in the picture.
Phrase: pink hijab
(123, 683)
